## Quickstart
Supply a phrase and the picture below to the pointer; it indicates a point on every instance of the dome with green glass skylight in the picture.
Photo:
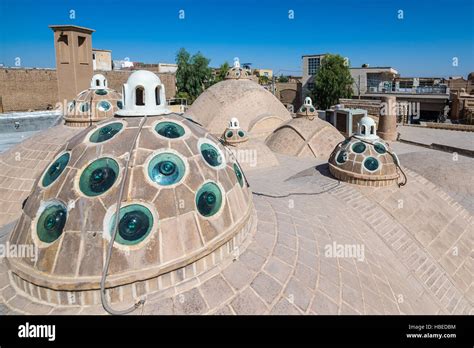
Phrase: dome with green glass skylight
(97, 103)
(167, 191)
(364, 158)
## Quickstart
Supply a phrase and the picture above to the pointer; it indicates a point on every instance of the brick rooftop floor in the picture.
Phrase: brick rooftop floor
(408, 235)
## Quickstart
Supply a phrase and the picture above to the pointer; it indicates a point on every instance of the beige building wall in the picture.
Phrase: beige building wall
(264, 72)
(37, 89)
(102, 60)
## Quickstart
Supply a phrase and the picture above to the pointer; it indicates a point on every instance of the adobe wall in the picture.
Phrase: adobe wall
(37, 89)
(24, 89)
(372, 106)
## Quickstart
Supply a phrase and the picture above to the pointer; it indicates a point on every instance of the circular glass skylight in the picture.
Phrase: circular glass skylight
(358, 147)
(99, 176)
(135, 224)
(380, 148)
(106, 132)
(103, 105)
(241, 133)
(209, 199)
(239, 175)
(166, 169)
(84, 107)
(371, 164)
(55, 169)
(120, 104)
(341, 157)
(170, 130)
(229, 134)
(211, 155)
(101, 92)
(51, 222)
(71, 106)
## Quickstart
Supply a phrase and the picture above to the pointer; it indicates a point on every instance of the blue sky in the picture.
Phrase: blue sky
(423, 43)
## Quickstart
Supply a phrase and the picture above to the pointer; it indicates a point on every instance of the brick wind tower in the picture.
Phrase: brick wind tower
(73, 46)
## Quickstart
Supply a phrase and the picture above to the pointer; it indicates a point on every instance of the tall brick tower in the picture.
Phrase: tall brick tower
(73, 46)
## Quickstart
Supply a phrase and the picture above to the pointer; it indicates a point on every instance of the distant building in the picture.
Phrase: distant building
(263, 72)
(122, 64)
(167, 68)
(310, 66)
(101, 59)
(423, 98)
(372, 79)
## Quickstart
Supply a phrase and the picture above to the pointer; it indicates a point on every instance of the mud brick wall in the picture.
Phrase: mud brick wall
(37, 89)
(25, 89)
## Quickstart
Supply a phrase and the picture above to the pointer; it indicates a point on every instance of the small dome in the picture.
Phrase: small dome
(305, 137)
(307, 109)
(94, 104)
(143, 94)
(236, 72)
(370, 163)
(233, 133)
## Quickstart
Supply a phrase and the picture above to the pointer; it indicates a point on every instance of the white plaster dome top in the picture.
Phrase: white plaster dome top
(307, 109)
(99, 81)
(367, 129)
(143, 94)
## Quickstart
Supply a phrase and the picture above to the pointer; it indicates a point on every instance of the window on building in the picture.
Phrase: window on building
(82, 49)
(63, 47)
(139, 96)
(313, 65)
(157, 95)
(310, 86)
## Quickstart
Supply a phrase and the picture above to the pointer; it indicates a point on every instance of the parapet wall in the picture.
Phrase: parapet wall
(372, 106)
(37, 89)
(25, 89)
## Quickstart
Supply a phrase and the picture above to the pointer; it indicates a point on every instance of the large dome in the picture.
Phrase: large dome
(183, 200)
(258, 111)
(305, 136)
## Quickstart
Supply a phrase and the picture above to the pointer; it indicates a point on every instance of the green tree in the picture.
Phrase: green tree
(222, 72)
(283, 78)
(332, 81)
(263, 80)
(193, 74)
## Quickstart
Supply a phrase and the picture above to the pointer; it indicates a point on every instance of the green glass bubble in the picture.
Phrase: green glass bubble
(51, 222)
(106, 132)
(209, 199)
(170, 130)
(99, 176)
(55, 169)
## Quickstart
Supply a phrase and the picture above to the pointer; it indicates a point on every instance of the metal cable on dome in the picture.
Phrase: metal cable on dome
(103, 296)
